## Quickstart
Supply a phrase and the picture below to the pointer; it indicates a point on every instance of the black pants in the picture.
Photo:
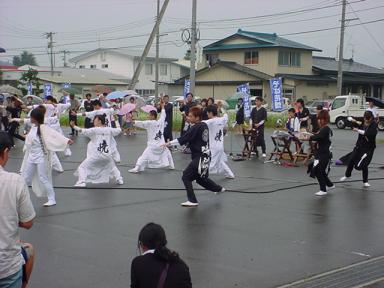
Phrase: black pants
(13, 133)
(168, 133)
(260, 141)
(5, 121)
(355, 159)
(190, 174)
(321, 173)
(88, 123)
(72, 118)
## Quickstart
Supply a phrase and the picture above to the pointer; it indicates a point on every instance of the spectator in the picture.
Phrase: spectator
(204, 106)
(168, 107)
(239, 115)
(75, 105)
(303, 114)
(258, 118)
(16, 211)
(88, 107)
(184, 108)
(158, 266)
(314, 122)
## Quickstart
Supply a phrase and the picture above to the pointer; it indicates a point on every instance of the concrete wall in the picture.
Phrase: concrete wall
(319, 91)
(117, 64)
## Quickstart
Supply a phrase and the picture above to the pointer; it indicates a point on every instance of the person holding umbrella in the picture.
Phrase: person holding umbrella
(154, 156)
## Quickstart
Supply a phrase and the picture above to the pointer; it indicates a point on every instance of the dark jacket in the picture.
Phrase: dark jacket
(367, 141)
(198, 137)
(146, 271)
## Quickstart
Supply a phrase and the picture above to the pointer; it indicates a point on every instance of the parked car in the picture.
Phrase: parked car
(351, 106)
(313, 104)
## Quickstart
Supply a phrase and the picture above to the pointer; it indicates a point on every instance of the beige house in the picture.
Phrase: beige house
(255, 58)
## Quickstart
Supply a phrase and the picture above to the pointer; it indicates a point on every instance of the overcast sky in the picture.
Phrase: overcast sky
(23, 22)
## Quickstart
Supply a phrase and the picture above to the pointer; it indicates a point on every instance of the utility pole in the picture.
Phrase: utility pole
(49, 36)
(139, 67)
(65, 52)
(192, 74)
(341, 51)
(157, 53)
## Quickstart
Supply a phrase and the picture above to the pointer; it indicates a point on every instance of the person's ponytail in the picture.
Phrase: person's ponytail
(164, 254)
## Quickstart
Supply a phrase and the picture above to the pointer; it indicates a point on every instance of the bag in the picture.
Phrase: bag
(163, 276)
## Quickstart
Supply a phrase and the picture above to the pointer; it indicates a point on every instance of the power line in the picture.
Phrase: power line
(277, 14)
(366, 29)
(332, 28)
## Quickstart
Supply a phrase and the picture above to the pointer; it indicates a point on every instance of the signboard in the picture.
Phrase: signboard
(244, 88)
(47, 90)
(187, 87)
(29, 88)
(67, 85)
(277, 94)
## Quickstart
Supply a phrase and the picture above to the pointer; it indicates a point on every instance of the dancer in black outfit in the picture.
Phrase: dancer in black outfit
(157, 266)
(198, 138)
(365, 146)
(168, 107)
(323, 154)
(14, 109)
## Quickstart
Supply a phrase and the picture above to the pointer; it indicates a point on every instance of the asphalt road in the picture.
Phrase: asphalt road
(231, 240)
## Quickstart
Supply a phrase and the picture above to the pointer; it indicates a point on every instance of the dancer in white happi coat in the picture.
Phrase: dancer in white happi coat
(40, 144)
(99, 165)
(109, 119)
(154, 156)
(54, 123)
(216, 127)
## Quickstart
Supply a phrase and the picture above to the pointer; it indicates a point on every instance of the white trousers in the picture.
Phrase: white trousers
(41, 170)
(83, 174)
(56, 164)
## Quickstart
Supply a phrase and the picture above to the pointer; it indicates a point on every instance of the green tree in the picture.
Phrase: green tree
(30, 76)
(25, 58)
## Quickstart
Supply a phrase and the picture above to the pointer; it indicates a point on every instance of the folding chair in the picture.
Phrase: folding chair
(250, 137)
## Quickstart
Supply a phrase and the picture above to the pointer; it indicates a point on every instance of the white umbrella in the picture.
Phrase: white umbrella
(36, 99)
(139, 101)
(11, 90)
(222, 102)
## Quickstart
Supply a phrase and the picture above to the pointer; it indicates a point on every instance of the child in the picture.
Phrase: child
(154, 156)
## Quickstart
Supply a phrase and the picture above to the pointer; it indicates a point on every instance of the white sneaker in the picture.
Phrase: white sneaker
(171, 167)
(331, 188)
(134, 170)
(80, 184)
(366, 185)
(264, 155)
(221, 191)
(189, 204)
(50, 203)
(321, 193)
(342, 179)
(230, 176)
(120, 181)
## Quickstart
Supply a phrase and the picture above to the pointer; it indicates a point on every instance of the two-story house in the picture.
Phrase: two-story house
(255, 58)
(124, 62)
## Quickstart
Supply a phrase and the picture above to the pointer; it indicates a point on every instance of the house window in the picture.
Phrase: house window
(163, 69)
(81, 66)
(92, 66)
(295, 59)
(148, 69)
(104, 65)
(251, 57)
(289, 58)
(283, 58)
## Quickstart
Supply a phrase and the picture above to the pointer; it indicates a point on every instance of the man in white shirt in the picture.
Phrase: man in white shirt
(16, 211)
(373, 109)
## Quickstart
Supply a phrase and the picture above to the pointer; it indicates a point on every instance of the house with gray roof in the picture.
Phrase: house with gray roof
(255, 58)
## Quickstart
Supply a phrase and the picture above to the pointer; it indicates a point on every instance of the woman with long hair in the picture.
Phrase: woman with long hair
(323, 153)
(157, 266)
(99, 165)
(365, 146)
(40, 144)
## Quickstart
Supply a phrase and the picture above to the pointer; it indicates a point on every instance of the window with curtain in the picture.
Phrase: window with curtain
(251, 57)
